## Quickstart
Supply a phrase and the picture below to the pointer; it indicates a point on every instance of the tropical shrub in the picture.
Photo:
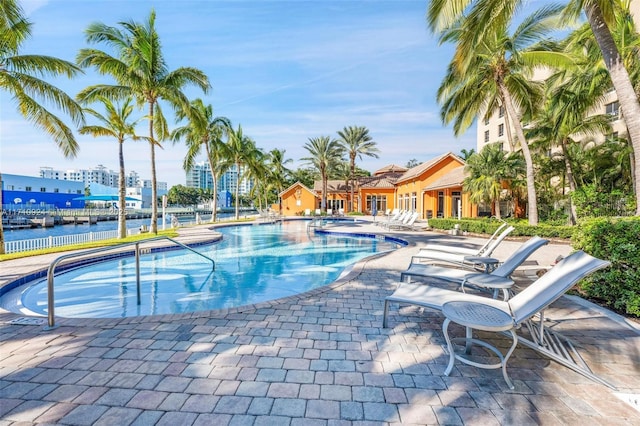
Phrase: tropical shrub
(615, 240)
(592, 202)
(488, 226)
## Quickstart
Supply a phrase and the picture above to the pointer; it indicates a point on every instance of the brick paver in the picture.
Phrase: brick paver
(322, 358)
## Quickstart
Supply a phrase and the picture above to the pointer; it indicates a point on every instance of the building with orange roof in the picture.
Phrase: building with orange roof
(433, 188)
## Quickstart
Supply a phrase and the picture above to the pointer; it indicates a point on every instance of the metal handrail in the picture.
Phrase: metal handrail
(52, 267)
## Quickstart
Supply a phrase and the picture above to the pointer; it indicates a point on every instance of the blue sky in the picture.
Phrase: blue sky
(286, 71)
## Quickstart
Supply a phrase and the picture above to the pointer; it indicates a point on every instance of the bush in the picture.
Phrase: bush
(615, 240)
(488, 226)
(592, 202)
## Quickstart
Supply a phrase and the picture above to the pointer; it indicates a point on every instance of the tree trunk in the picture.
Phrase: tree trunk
(238, 192)
(1, 230)
(154, 188)
(622, 85)
(532, 202)
(122, 212)
(573, 214)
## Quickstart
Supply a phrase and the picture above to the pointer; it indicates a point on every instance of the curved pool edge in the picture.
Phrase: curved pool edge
(349, 274)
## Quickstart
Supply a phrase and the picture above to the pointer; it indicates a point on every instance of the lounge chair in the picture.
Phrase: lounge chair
(466, 250)
(487, 314)
(307, 212)
(478, 258)
(462, 276)
(407, 223)
(401, 217)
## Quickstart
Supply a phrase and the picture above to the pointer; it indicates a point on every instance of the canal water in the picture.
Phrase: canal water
(108, 225)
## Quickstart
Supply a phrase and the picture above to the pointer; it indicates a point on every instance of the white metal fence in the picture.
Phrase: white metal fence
(62, 240)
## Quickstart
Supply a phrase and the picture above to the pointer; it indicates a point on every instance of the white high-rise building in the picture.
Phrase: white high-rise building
(200, 177)
(100, 175)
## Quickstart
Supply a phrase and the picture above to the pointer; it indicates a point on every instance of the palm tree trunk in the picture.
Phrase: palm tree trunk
(352, 182)
(214, 204)
(1, 230)
(154, 188)
(573, 214)
(622, 85)
(532, 202)
(122, 216)
(323, 202)
(238, 192)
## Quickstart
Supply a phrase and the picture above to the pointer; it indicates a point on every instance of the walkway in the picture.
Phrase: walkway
(318, 359)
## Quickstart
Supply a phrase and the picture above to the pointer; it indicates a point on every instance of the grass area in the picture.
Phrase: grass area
(171, 233)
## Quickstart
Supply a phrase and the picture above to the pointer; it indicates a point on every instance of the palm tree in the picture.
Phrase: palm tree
(574, 94)
(204, 131)
(21, 76)
(278, 171)
(140, 71)
(115, 124)
(239, 150)
(601, 15)
(497, 72)
(356, 142)
(325, 153)
(488, 171)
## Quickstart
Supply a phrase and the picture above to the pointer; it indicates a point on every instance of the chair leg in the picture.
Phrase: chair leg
(452, 355)
(385, 314)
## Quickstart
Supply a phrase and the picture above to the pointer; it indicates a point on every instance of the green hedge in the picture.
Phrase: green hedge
(616, 240)
(488, 226)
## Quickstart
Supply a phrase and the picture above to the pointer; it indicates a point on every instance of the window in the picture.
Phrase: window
(501, 112)
(27, 188)
(486, 136)
(613, 109)
(414, 201)
(486, 121)
(501, 130)
(56, 190)
(43, 189)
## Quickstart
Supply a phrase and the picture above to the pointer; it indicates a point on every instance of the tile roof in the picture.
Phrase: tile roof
(390, 168)
(454, 178)
(421, 168)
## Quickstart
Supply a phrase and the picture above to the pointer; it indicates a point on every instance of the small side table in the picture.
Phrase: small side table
(490, 281)
(479, 316)
(487, 264)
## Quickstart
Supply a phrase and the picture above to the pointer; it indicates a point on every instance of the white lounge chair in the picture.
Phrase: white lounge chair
(307, 212)
(499, 275)
(483, 313)
(401, 217)
(477, 258)
(407, 223)
(466, 250)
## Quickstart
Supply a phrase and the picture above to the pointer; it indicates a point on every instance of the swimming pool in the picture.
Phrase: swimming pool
(253, 264)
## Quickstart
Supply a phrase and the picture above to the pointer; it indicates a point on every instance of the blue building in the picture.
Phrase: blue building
(20, 192)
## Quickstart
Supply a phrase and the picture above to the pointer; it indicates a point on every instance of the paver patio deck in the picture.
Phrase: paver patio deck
(321, 358)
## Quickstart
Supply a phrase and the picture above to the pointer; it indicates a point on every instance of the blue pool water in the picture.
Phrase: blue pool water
(252, 264)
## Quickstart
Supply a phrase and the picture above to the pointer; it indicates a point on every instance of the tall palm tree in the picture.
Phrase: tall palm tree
(239, 150)
(489, 170)
(21, 77)
(325, 153)
(601, 15)
(140, 70)
(567, 117)
(204, 131)
(278, 171)
(356, 142)
(115, 124)
(497, 72)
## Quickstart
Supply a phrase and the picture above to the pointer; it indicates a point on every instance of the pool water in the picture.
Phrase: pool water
(252, 264)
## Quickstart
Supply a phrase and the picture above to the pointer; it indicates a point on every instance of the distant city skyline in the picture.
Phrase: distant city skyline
(285, 71)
